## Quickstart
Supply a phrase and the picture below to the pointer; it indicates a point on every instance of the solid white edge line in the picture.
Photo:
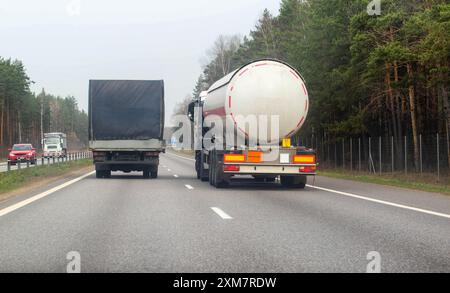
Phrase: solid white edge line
(176, 176)
(382, 202)
(222, 214)
(189, 187)
(30, 200)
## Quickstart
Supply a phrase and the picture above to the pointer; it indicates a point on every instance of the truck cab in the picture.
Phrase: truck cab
(54, 145)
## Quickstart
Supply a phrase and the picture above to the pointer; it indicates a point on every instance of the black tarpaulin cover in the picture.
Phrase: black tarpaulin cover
(126, 110)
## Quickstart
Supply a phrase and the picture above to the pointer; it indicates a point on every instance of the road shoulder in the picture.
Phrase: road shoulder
(38, 185)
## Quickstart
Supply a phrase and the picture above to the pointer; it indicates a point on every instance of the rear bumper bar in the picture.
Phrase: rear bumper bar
(253, 169)
(127, 166)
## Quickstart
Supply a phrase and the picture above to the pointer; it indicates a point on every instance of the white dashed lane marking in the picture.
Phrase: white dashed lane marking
(222, 214)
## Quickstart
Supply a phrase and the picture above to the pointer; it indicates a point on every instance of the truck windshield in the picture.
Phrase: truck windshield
(52, 141)
(22, 148)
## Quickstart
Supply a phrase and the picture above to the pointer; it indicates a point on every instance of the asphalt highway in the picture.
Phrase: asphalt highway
(179, 224)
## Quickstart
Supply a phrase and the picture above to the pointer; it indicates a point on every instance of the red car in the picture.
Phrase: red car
(22, 153)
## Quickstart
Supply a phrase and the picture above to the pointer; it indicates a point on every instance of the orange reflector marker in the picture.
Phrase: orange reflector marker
(254, 157)
(305, 159)
(234, 158)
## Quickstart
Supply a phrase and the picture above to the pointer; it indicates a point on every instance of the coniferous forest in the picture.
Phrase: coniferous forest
(24, 115)
(384, 75)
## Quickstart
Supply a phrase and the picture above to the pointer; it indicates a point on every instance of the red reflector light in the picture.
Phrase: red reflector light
(309, 169)
(231, 168)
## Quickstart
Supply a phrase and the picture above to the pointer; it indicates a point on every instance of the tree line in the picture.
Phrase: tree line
(368, 76)
(24, 115)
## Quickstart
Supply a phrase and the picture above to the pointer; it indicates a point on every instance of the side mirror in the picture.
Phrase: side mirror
(191, 111)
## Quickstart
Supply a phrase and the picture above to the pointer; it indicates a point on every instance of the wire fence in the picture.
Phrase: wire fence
(44, 161)
(381, 155)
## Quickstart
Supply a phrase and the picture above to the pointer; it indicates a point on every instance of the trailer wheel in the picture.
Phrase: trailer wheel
(218, 177)
(212, 169)
(146, 174)
(154, 174)
(198, 163)
(202, 173)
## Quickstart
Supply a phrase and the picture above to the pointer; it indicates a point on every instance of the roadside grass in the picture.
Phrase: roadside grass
(12, 180)
(425, 182)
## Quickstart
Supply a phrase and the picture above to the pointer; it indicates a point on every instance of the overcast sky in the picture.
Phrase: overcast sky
(64, 43)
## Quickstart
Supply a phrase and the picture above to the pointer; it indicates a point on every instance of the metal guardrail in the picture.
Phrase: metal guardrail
(42, 161)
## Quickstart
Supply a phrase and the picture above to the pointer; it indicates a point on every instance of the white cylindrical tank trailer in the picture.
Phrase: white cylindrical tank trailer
(264, 87)
(261, 89)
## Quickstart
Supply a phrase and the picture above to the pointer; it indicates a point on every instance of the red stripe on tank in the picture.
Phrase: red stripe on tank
(219, 112)
(301, 121)
(304, 89)
(243, 72)
(295, 74)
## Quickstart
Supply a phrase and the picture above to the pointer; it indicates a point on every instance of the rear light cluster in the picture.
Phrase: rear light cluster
(151, 154)
(99, 156)
(257, 157)
(234, 158)
(305, 159)
(309, 169)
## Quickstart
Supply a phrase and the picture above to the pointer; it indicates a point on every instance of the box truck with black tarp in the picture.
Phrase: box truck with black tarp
(126, 125)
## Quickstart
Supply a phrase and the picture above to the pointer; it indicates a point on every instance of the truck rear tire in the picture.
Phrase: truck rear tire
(154, 174)
(217, 176)
(146, 174)
(202, 173)
(211, 168)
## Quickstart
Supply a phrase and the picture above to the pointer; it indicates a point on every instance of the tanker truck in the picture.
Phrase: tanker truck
(269, 88)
